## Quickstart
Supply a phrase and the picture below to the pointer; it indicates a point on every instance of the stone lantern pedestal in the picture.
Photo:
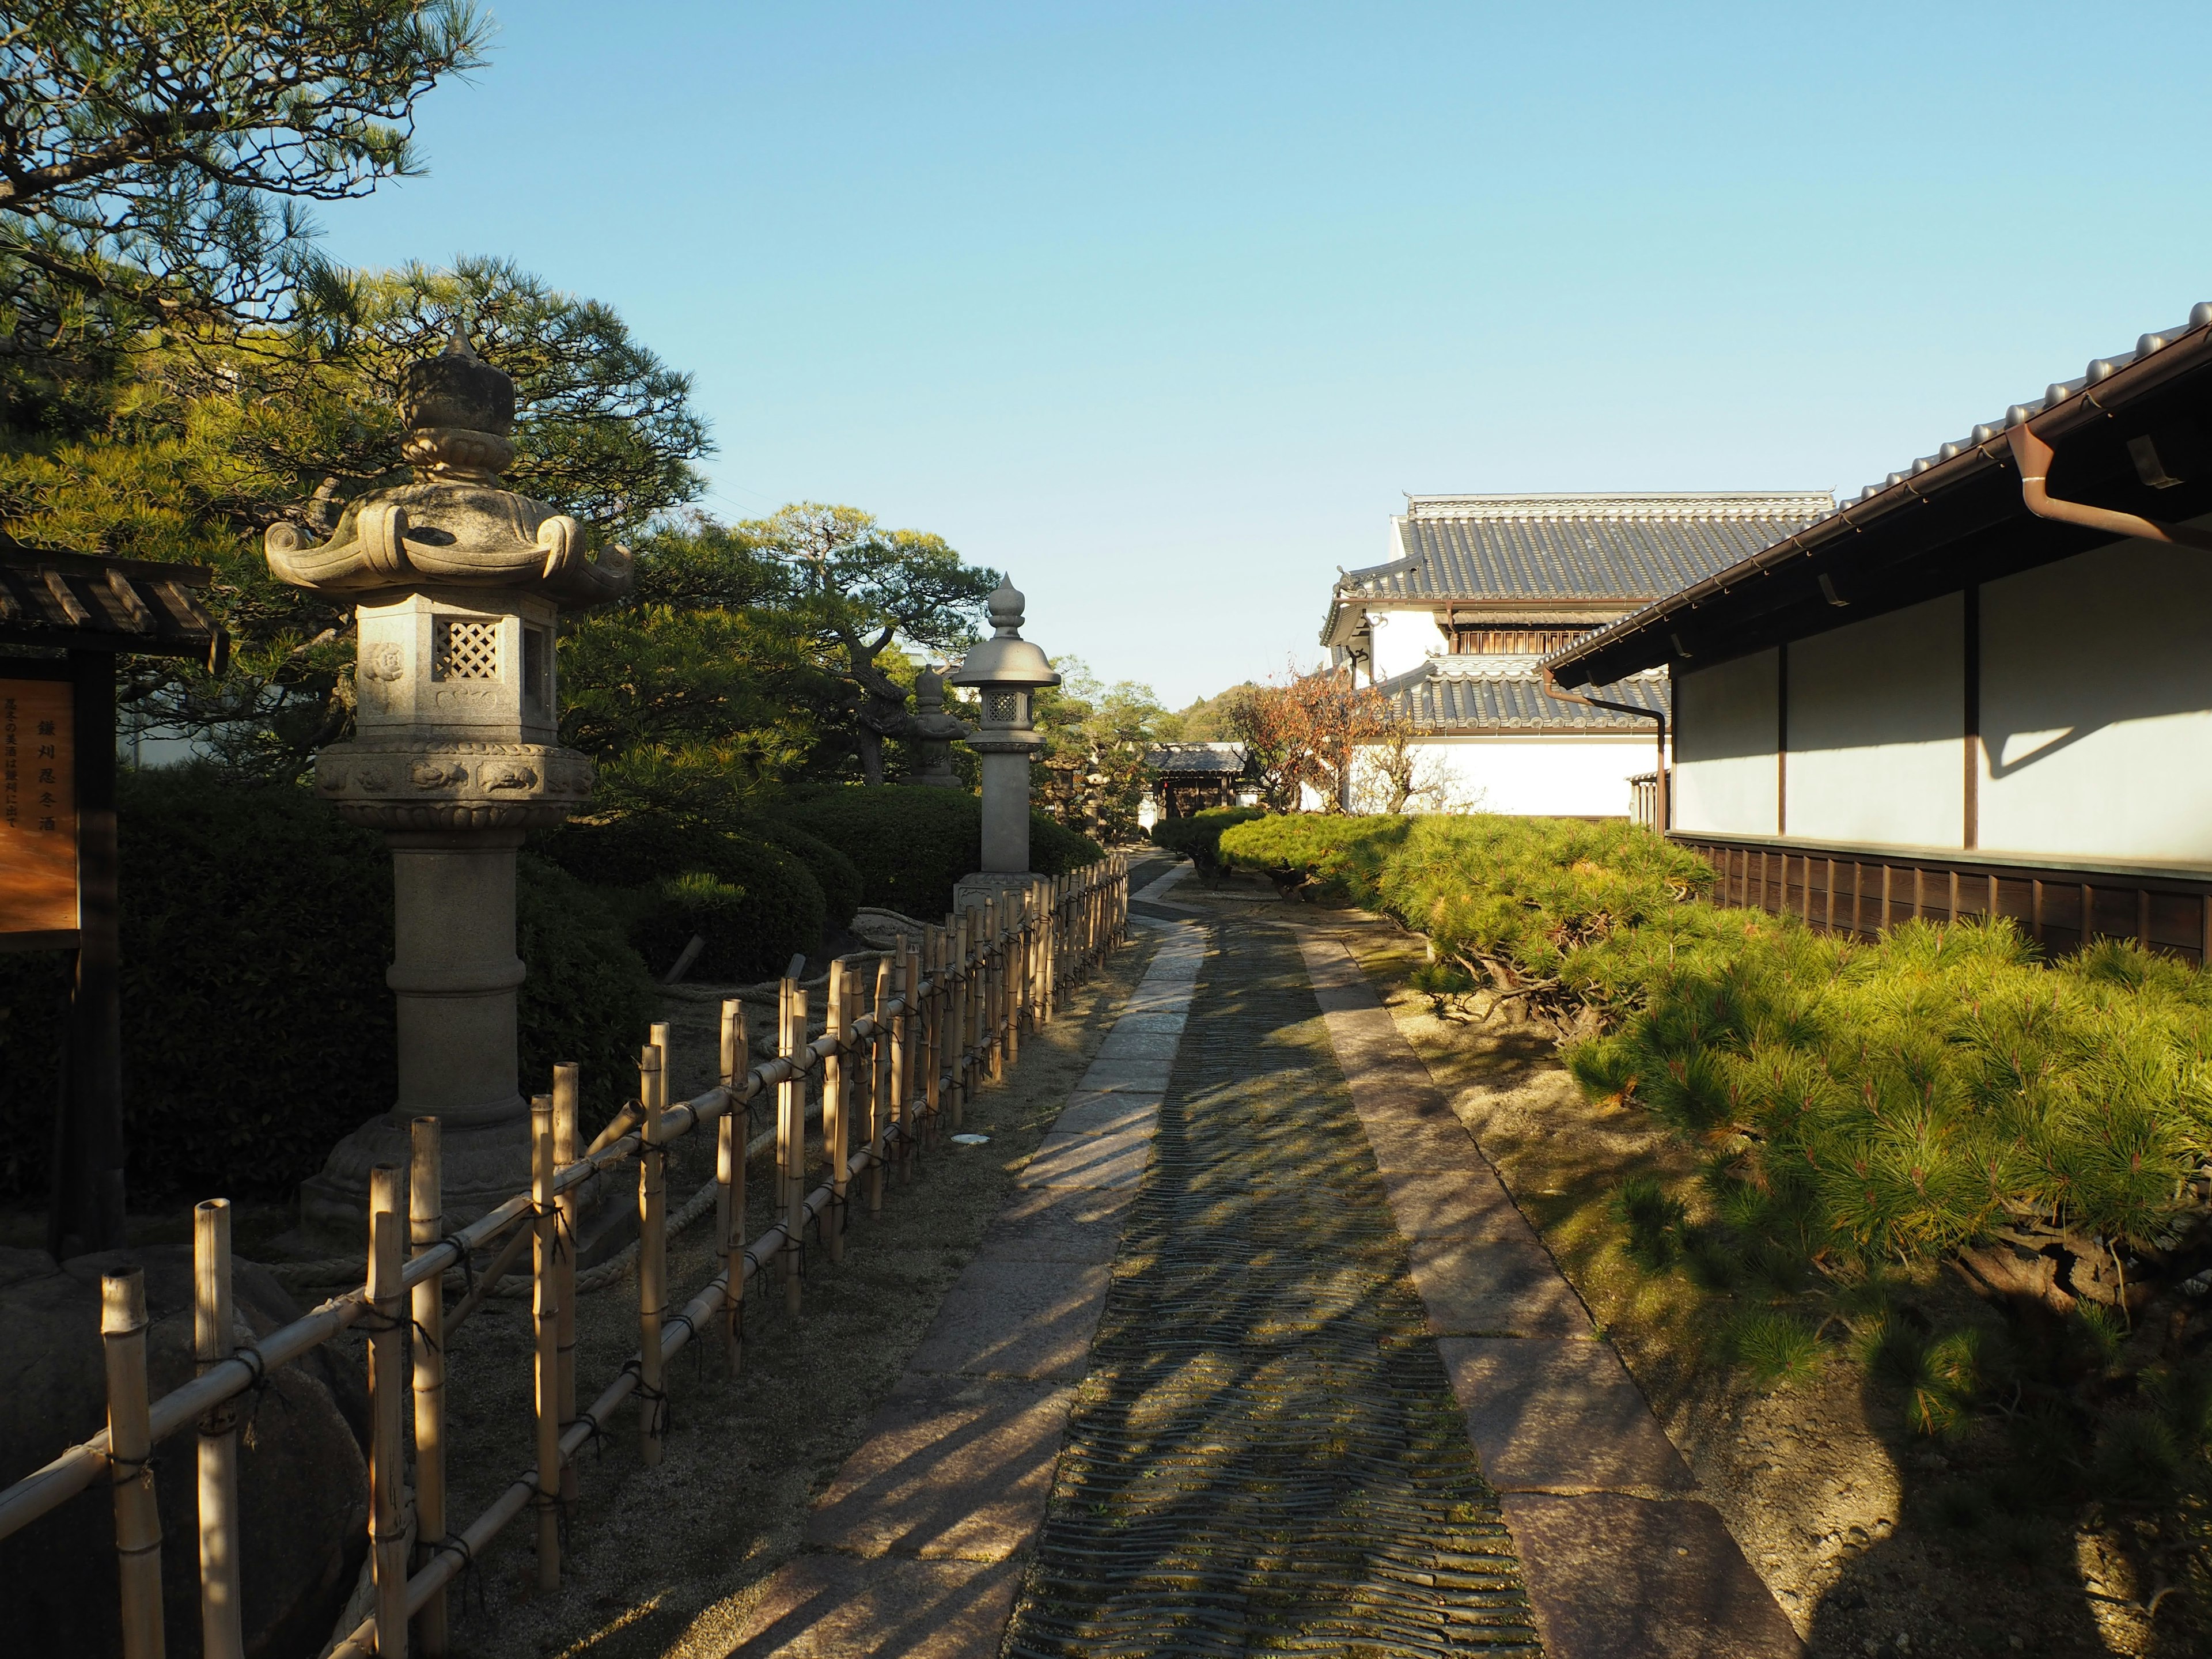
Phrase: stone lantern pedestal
(1006, 671)
(458, 584)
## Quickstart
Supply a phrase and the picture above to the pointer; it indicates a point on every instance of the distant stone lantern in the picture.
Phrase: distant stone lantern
(933, 732)
(458, 583)
(1006, 671)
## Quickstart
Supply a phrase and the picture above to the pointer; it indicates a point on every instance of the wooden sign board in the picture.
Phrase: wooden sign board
(38, 807)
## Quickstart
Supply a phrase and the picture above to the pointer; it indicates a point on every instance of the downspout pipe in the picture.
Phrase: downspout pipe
(1665, 813)
(2032, 454)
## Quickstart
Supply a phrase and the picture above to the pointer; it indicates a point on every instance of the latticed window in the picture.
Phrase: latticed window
(461, 649)
(1002, 708)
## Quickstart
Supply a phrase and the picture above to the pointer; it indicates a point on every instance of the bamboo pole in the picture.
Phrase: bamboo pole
(880, 1080)
(836, 1103)
(131, 1449)
(791, 1143)
(221, 1627)
(568, 1130)
(652, 1252)
(545, 1320)
(730, 1175)
(426, 1223)
(964, 1020)
(933, 1036)
(387, 1381)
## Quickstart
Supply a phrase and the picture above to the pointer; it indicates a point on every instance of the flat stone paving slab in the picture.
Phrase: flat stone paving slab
(841, 1606)
(1032, 1319)
(1619, 1577)
(1089, 1113)
(952, 1467)
(1559, 1414)
(1129, 1076)
(1412, 1147)
(1169, 1021)
(1463, 1202)
(1137, 1045)
(1058, 1224)
(1116, 1159)
(1495, 1286)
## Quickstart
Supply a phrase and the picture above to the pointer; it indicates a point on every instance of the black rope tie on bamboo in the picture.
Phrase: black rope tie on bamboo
(466, 1572)
(466, 1261)
(595, 1436)
(541, 1498)
(652, 1399)
(690, 1335)
(258, 1386)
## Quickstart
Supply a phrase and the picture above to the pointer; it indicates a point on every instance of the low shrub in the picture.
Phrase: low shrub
(912, 844)
(677, 908)
(1197, 837)
(837, 876)
(257, 1025)
(780, 910)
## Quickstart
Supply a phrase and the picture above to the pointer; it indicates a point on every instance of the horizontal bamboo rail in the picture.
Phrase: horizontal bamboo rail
(946, 1012)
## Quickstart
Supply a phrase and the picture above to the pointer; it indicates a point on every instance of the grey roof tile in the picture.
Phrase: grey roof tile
(1448, 694)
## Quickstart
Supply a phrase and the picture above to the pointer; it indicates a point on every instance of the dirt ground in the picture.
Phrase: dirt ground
(1873, 1539)
(663, 1561)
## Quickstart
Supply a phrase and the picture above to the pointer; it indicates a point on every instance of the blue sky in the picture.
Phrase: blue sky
(1163, 307)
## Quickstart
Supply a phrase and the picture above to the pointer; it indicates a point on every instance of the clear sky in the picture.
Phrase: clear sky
(1162, 306)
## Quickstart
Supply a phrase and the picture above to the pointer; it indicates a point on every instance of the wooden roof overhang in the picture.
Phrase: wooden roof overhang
(92, 602)
(1956, 520)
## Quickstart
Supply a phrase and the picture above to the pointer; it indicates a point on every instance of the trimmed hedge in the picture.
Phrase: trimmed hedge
(912, 844)
(779, 910)
(838, 877)
(1197, 837)
(257, 1025)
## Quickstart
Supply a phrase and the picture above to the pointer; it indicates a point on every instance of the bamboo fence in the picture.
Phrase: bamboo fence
(900, 1056)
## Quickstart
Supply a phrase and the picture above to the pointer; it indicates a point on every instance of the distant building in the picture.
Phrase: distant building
(1980, 687)
(1478, 590)
(1189, 777)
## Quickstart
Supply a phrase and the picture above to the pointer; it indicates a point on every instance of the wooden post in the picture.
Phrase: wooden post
(791, 1141)
(129, 1448)
(964, 1023)
(222, 1630)
(426, 1225)
(87, 1208)
(730, 1175)
(880, 1078)
(387, 1381)
(567, 1147)
(836, 1104)
(545, 1319)
(651, 1255)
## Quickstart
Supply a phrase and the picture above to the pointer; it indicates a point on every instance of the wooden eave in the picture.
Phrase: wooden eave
(53, 600)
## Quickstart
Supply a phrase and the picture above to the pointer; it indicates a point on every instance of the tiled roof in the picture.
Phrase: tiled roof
(93, 602)
(1616, 548)
(1225, 759)
(1447, 694)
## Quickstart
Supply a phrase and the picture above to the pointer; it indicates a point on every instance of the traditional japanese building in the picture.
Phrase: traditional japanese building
(1479, 587)
(1982, 686)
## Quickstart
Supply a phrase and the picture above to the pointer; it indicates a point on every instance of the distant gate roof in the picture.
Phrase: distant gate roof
(1212, 759)
(1548, 551)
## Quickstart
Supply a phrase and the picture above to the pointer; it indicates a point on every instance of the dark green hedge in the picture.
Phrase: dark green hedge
(782, 911)
(912, 844)
(1197, 837)
(838, 877)
(256, 1026)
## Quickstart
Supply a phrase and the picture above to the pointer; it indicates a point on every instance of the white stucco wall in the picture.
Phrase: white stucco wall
(1877, 729)
(1576, 777)
(2097, 706)
(1726, 722)
(1404, 639)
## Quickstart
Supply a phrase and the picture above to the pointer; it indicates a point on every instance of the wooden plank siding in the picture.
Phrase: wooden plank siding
(1848, 891)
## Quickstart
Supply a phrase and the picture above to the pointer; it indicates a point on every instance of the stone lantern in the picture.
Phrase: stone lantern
(458, 583)
(1006, 671)
(933, 732)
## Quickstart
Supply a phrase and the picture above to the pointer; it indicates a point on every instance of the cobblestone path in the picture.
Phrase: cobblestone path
(1266, 1456)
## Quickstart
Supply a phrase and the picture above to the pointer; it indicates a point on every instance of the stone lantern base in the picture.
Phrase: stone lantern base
(973, 892)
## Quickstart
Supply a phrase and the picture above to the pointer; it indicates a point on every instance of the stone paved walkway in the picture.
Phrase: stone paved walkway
(1266, 1456)
(1260, 1321)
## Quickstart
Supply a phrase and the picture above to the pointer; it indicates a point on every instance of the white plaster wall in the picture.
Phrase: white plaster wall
(1726, 725)
(1877, 729)
(2097, 706)
(1404, 641)
(1577, 777)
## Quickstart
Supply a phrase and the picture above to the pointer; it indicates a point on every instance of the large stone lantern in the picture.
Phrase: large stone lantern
(457, 583)
(1006, 671)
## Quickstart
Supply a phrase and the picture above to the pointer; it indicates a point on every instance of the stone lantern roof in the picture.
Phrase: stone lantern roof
(454, 525)
(1005, 658)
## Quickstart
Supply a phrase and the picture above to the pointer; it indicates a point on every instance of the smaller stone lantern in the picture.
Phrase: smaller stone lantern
(1007, 671)
(932, 732)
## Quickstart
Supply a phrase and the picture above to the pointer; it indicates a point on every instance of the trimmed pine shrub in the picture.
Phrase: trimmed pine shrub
(912, 844)
(838, 877)
(1197, 837)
